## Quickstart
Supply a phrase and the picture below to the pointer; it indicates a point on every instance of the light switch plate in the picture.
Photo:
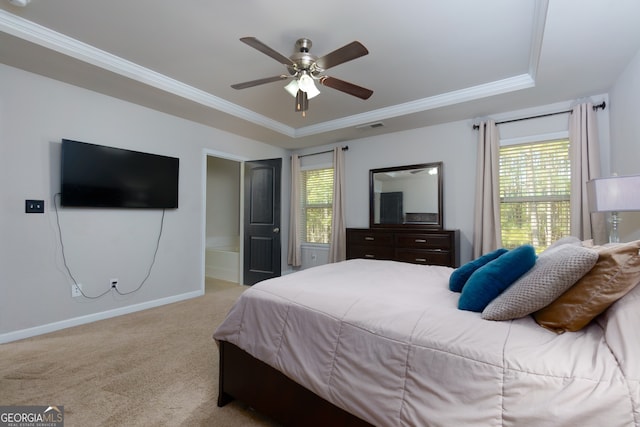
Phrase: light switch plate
(34, 206)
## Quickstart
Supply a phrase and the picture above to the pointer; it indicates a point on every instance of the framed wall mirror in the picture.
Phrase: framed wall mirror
(406, 196)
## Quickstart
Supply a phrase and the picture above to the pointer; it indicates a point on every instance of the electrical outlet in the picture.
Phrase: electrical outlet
(114, 283)
(76, 290)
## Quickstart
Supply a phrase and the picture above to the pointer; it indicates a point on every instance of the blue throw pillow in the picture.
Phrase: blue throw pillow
(489, 281)
(460, 275)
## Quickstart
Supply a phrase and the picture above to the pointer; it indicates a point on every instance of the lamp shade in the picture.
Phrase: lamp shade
(614, 194)
(292, 88)
(306, 84)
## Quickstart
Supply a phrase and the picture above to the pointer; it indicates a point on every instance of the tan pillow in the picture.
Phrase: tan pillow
(616, 272)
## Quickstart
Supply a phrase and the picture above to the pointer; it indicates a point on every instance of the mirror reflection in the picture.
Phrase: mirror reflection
(406, 196)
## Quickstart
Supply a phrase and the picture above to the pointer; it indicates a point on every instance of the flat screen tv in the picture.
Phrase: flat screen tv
(105, 177)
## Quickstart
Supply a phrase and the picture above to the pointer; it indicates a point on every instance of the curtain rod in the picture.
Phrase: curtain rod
(603, 105)
(345, 148)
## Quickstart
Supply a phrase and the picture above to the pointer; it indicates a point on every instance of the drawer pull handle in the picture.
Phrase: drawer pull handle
(369, 238)
(421, 259)
(369, 256)
(421, 241)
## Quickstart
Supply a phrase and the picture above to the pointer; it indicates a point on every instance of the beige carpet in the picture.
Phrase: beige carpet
(158, 367)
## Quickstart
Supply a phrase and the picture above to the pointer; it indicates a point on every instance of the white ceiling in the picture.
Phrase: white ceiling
(429, 61)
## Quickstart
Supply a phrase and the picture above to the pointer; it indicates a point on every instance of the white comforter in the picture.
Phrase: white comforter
(385, 341)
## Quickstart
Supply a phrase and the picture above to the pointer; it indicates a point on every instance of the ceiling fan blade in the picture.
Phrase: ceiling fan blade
(253, 83)
(346, 53)
(346, 87)
(257, 44)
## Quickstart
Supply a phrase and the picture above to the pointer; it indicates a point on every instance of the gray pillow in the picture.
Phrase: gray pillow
(555, 271)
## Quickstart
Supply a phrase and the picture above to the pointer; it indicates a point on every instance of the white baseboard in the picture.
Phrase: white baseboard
(76, 321)
(228, 274)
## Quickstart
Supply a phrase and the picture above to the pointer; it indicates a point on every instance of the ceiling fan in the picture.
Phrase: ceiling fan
(305, 69)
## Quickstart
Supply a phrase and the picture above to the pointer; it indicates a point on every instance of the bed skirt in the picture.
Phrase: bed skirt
(273, 394)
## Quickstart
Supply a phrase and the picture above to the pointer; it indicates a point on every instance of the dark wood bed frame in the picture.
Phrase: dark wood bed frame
(273, 394)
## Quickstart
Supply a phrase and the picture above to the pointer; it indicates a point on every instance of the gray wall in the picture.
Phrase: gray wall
(35, 296)
(455, 145)
(35, 113)
(625, 137)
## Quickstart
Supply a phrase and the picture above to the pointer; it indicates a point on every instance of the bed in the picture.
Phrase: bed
(369, 342)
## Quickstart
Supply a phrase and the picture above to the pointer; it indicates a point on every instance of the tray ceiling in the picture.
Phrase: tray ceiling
(428, 62)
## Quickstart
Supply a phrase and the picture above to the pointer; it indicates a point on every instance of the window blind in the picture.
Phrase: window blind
(535, 185)
(316, 204)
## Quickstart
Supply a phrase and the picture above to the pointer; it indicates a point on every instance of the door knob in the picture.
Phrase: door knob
(276, 230)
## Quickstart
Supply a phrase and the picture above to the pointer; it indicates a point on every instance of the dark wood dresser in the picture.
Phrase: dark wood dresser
(418, 246)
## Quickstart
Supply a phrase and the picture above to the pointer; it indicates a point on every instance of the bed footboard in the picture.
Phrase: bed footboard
(273, 394)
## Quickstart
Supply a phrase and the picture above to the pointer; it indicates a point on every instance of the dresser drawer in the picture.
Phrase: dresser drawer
(367, 238)
(370, 252)
(423, 241)
(427, 257)
(417, 246)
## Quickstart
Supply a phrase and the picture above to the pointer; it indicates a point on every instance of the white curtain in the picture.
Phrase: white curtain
(295, 254)
(585, 165)
(338, 246)
(486, 228)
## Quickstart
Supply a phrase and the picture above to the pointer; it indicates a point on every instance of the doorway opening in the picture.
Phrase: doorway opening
(223, 216)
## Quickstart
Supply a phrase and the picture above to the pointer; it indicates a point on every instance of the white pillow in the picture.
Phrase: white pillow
(555, 271)
(567, 240)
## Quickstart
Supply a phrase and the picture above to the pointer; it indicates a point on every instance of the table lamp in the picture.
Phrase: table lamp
(614, 194)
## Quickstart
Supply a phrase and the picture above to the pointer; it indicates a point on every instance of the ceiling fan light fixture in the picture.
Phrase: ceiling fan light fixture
(292, 87)
(306, 84)
(304, 68)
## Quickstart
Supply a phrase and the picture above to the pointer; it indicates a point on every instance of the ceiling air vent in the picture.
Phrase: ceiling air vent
(370, 125)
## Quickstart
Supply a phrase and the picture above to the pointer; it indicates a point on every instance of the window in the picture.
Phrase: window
(535, 184)
(317, 204)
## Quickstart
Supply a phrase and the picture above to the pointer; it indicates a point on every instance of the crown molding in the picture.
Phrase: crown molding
(40, 35)
(498, 87)
(537, 36)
